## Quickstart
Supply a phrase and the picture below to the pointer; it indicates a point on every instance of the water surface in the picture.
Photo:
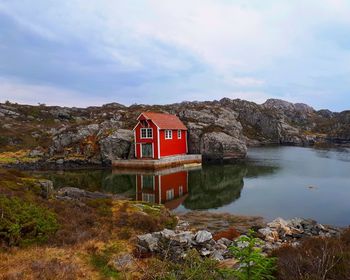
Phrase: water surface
(274, 181)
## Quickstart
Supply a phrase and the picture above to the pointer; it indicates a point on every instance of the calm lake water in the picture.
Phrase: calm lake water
(274, 181)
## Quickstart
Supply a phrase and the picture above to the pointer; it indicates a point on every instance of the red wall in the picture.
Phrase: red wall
(168, 182)
(169, 147)
(138, 139)
(173, 181)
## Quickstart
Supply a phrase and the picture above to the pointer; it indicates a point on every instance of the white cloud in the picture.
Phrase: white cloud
(245, 81)
(242, 47)
(16, 91)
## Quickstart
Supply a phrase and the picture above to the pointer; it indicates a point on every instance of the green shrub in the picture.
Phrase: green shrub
(102, 205)
(24, 223)
(253, 265)
(193, 267)
(4, 140)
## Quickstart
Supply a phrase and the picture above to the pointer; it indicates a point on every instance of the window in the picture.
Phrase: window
(170, 194)
(147, 182)
(148, 197)
(181, 190)
(168, 134)
(146, 133)
(179, 134)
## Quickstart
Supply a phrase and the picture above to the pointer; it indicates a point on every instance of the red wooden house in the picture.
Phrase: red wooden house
(169, 189)
(159, 135)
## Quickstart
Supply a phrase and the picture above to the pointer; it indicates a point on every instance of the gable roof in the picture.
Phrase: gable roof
(164, 121)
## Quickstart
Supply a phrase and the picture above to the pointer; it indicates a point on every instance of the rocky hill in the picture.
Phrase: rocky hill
(217, 129)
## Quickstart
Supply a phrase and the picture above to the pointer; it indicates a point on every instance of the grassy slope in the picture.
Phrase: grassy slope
(91, 233)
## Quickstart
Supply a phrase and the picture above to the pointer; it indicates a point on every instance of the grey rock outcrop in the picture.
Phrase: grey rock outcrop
(203, 236)
(175, 244)
(214, 132)
(280, 231)
(220, 146)
(68, 136)
(217, 129)
(118, 145)
(70, 193)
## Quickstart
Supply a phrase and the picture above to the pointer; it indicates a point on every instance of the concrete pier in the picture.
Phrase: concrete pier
(155, 164)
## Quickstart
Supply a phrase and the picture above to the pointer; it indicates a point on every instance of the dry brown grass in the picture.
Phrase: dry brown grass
(315, 259)
(44, 263)
(86, 228)
(17, 156)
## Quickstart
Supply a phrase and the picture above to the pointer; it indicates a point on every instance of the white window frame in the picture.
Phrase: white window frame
(142, 182)
(181, 191)
(149, 133)
(168, 134)
(149, 197)
(170, 194)
(179, 134)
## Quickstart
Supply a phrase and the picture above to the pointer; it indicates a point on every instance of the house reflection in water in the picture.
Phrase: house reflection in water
(168, 187)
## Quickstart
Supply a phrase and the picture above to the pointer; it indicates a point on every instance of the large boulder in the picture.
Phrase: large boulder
(220, 146)
(213, 131)
(195, 132)
(118, 145)
(67, 137)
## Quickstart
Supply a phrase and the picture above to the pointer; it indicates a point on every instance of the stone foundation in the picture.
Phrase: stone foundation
(156, 164)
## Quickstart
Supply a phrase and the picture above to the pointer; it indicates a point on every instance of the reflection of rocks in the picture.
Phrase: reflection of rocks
(260, 170)
(94, 180)
(211, 187)
(218, 185)
(120, 184)
(214, 186)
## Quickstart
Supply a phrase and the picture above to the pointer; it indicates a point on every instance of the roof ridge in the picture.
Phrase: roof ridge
(165, 120)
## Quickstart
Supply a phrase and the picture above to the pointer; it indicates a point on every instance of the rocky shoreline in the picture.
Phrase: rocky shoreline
(174, 244)
(211, 234)
(56, 137)
(195, 230)
(94, 232)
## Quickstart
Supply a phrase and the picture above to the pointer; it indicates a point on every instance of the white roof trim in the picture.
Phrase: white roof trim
(145, 115)
(136, 125)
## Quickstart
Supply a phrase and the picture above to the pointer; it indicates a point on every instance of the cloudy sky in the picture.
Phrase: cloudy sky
(91, 52)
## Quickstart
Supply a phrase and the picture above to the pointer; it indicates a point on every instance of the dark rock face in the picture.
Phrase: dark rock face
(118, 145)
(220, 146)
(219, 130)
(213, 131)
